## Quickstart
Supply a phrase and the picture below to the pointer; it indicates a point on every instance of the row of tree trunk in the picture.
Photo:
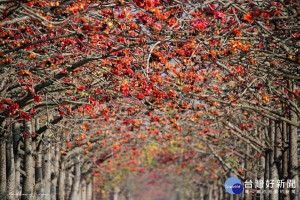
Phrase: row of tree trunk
(278, 161)
(32, 168)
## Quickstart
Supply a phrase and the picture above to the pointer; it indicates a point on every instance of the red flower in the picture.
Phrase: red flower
(213, 6)
(248, 18)
(243, 126)
(61, 113)
(32, 111)
(13, 107)
(220, 15)
(80, 87)
(98, 91)
(25, 116)
(125, 92)
(199, 24)
(140, 96)
(240, 171)
(26, 134)
(37, 98)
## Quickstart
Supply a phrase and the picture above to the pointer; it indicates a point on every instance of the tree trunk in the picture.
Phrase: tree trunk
(210, 197)
(293, 164)
(266, 174)
(39, 173)
(28, 183)
(76, 182)
(261, 174)
(39, 181)
(246, 164)
(253, 178)
(273, 168)
(79, 192)
(93, 189)
(11, 171)
(89, 190)
(83, 190)
(69, 182)
(116, 193)
(220, 190)
(267, 167)
(206, 193)
(201, 193)
(284, 158)
(215, 191)
(61, 180)
(277, 152)
(55, 170)
(16, 144)
(2, 161)
(2, 168)
(47, 168)
(38, 163)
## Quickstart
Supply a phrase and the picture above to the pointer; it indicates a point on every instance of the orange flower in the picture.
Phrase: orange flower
(248, 18)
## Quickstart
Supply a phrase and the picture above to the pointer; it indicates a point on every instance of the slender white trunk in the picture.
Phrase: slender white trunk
(55, 170)
(68, 184)
(61, 180)
(83, 190)
(2, 162)
(2, 167)
(17, 159)
(47, 168)
(273, 168)
(38, 173)
(11, 175)
(89, 190)
(116, 193)
(76, 182)
(293, 164)
(28, 183)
